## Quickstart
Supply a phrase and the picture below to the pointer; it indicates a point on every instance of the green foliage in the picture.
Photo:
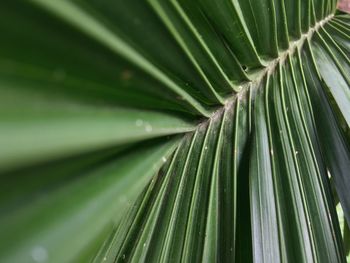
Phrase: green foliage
(168, 131)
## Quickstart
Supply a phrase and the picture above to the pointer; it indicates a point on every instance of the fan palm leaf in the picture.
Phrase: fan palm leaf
(167, 131)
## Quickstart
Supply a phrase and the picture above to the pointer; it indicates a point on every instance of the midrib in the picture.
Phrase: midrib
(270, 67)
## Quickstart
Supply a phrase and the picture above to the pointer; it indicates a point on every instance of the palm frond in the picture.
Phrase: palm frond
(163, 131)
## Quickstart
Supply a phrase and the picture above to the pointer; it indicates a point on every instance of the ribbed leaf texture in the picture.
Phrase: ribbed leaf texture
(174, 131)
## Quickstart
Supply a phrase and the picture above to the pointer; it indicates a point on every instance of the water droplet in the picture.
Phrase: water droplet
(206, 147)
(39, 254)
(136, 21)
(148, 127)
(163, 159)
(144, 244)
(139, 123)
(126, 74)
(59, 74)
(105, 258)
(296, 152)
(123, 256)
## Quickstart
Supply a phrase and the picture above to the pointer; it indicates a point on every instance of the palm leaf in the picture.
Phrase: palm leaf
(163, 131)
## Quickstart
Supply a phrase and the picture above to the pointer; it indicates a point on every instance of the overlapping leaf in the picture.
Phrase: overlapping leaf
(92, 170)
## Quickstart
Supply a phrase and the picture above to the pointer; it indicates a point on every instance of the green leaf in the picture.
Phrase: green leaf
(74, 213)
(174, 131)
